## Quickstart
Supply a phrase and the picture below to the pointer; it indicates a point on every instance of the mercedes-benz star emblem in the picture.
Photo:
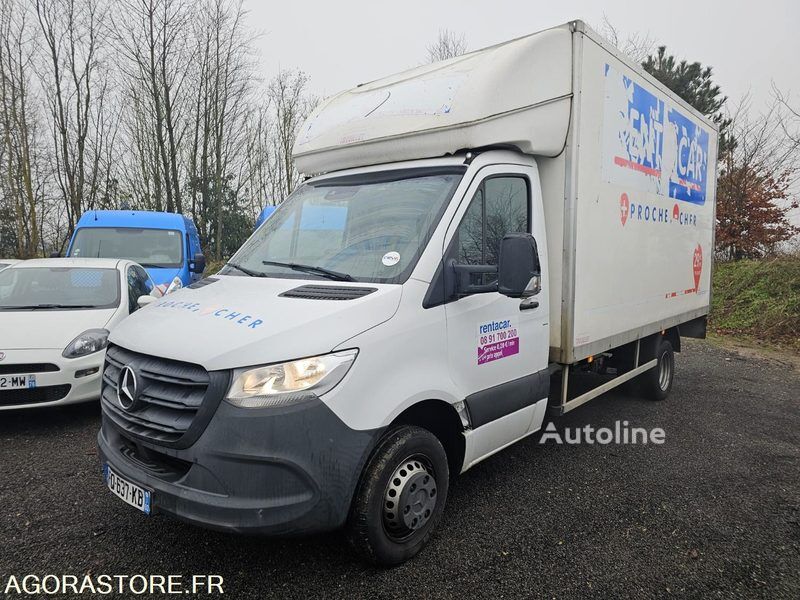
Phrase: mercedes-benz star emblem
(127, 388)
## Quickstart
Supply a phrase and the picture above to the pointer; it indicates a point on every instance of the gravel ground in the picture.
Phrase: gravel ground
(714, 511)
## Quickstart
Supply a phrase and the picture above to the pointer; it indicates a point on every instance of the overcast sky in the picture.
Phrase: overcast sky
(341, 43)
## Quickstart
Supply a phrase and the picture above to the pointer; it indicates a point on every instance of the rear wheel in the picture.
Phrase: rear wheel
(400, 498)
(657, 382)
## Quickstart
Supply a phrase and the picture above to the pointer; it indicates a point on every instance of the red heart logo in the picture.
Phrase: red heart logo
(697, 266)
(624, 208)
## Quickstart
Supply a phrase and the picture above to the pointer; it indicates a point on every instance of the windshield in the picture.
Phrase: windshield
(148, 247)
(58, 288)
(371, 227)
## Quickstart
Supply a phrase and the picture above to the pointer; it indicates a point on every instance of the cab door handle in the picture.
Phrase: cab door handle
(529, 304)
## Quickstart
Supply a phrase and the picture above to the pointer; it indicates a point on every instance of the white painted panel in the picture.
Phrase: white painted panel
(645, 203)
(484, 441)
(506, 94)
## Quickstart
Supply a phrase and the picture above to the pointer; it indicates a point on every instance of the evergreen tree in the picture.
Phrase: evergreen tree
(693, 83)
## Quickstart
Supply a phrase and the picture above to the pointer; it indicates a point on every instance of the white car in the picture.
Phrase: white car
(55, 316)
(7, 262)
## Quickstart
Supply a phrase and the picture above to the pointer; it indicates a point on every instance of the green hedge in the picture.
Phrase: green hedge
(759, 299)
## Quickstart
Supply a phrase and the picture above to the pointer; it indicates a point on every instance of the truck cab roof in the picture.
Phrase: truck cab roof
(134, 218)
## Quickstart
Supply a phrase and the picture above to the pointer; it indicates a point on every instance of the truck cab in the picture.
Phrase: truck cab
(165, 244)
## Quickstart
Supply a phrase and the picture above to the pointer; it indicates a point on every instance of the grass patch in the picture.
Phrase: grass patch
(758, 299)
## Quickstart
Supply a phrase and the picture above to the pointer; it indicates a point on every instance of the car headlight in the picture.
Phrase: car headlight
(289, 382)
(90, 341)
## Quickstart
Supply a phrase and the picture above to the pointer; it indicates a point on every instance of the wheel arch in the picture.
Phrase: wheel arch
(442, 420)
(673, 336)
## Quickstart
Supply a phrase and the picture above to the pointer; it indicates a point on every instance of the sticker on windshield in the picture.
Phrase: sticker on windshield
(390, 259)
(496, 340)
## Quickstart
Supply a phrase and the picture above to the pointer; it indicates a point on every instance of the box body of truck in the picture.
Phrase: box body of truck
(627, 170)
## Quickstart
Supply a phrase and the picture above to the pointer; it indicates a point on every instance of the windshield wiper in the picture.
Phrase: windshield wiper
(46, 306)
(246, 271)
(335, 275)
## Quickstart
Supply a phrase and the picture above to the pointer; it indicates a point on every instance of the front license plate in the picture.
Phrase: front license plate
(17, 382)
(131, 493)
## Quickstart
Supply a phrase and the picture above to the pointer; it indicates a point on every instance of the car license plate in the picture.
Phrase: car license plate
(131, 493)
(17, 382)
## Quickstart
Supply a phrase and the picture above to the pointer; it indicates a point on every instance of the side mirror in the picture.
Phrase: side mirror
(198, 263)
(518, 271)
(143, 301)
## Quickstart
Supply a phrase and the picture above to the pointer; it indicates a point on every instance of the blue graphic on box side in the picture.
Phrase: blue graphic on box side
(692, 160)
(644, 136)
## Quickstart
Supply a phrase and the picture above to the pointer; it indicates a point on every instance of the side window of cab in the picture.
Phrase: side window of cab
(500, 206)
(139, 284)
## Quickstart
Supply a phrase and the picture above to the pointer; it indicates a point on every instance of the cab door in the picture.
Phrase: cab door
(497, 346)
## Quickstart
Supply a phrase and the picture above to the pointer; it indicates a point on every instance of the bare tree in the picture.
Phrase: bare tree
(222, 85)
(287, 97)
(636, 45)
(448, 45)
(789, 114)
(19, 159)
(153, 43)
(754, 192)
(150, 104)
(72, 75)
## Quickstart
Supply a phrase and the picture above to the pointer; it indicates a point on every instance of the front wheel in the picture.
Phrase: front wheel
(657, 382)
(400, 498)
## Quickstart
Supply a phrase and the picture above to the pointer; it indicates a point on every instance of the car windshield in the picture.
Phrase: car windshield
(148, 247)
(371, 227)
(58, 288)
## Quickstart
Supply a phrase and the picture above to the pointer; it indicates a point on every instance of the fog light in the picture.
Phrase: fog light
(86, 372)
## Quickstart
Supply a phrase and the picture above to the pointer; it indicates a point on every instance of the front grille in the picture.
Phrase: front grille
(24, 368)
(45, 393)
(175, 399)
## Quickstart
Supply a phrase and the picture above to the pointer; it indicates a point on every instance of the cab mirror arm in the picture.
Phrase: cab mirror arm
(458, 281)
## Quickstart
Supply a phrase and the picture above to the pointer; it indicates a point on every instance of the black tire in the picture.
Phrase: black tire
(656, 384)
(382, 535)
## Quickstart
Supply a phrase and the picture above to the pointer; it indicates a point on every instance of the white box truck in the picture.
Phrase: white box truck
(471, 234)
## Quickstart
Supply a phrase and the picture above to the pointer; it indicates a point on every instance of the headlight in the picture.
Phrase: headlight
(285, 383)
(91, 340)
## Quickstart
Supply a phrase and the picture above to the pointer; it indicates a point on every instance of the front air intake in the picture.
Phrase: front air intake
(328, 292)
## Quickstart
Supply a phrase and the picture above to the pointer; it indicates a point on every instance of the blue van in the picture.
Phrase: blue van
(165, 244)
(265, 214)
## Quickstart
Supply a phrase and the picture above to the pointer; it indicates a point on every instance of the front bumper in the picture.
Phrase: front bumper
(81, 389)
(262, 471)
